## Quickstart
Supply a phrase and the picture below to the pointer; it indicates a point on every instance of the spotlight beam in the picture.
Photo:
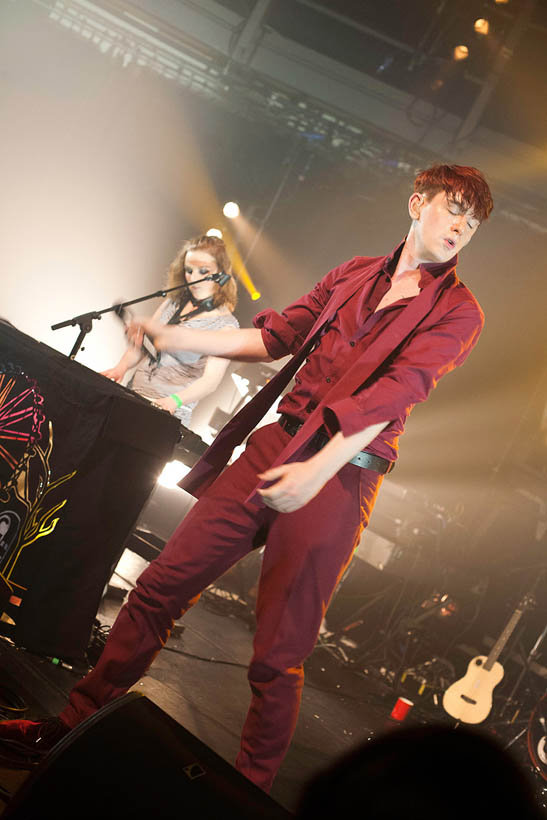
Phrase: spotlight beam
(293, 156)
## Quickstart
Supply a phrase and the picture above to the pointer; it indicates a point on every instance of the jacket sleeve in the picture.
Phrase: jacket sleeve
(409, 376)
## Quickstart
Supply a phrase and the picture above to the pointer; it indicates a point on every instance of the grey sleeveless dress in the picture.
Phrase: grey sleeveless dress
(178, 368)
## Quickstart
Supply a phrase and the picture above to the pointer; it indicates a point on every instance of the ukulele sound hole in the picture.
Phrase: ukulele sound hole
(468, 699)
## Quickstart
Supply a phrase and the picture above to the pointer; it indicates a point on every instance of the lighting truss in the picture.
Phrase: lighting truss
(145, 41)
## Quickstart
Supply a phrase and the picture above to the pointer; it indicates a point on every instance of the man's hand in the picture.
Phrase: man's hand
(300, 481)
(242, 344)
(134, 332)
(296, 484)
(140, 325)
(165, 337)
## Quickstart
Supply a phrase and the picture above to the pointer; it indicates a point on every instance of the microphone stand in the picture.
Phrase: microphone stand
(85, 320)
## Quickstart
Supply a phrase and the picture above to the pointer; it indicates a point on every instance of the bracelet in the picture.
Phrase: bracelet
(178, 401)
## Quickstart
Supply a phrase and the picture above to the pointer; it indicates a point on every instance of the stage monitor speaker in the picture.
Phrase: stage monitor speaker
(131, 760)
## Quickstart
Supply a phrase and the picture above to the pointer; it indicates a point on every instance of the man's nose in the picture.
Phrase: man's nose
(458, 223)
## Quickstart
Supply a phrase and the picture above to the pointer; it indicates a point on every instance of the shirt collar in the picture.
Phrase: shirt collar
(428, 270)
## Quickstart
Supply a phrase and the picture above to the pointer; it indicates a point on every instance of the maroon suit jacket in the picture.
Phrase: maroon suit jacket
(444, 296)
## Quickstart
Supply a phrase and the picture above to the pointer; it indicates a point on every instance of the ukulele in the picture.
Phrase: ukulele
(470, 698)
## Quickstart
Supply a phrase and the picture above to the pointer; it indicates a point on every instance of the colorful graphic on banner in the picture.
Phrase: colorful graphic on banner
(21, 418)
(26, 483)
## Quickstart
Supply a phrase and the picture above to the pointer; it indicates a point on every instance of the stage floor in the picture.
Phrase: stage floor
(210, 698)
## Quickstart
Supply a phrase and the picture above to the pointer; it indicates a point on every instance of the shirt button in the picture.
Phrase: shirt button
(328, 379)
(352, 344)
(387, 279)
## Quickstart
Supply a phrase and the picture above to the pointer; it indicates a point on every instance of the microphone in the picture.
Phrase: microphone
(220, 278)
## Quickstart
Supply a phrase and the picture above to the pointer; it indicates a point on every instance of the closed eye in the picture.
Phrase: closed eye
(201, 271)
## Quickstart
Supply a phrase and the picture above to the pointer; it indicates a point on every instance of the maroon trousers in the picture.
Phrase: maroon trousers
(305, 555)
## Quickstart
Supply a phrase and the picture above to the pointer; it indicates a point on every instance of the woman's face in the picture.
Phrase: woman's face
(197, 265)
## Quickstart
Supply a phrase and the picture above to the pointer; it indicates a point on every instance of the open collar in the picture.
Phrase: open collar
(428, 269)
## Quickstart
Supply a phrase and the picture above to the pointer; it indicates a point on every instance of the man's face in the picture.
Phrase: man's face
(441, 226)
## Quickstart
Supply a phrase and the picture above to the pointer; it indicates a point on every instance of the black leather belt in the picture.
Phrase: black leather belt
(362, 459)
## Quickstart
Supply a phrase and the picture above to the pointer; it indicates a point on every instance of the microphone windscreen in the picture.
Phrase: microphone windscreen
(221, 278)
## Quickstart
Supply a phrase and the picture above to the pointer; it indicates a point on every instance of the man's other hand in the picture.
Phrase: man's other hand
(296, 483)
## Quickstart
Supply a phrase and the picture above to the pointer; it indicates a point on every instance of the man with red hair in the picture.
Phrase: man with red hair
(371, 340)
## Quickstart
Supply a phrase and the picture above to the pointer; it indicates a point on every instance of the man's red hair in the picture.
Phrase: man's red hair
(467, 185)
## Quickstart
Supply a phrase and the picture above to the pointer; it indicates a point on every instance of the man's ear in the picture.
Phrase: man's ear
(415, 204)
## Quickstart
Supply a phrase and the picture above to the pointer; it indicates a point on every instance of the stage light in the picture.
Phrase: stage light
(231, 210)
(255, 295)
(501, 2)
(214, 232)
(172, 474)
(461, 53)
(482, 26)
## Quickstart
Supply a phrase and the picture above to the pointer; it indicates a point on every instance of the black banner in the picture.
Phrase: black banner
(79, 456)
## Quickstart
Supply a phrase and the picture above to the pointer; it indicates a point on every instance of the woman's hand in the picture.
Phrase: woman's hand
(166, 403)
(115, 374)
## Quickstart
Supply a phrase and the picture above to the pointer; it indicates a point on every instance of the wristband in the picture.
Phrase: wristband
(178, 401)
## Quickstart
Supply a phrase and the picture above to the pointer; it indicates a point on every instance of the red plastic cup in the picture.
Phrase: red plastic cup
(401, 708)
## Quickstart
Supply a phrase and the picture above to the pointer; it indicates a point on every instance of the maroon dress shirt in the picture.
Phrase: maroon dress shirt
(360, 365)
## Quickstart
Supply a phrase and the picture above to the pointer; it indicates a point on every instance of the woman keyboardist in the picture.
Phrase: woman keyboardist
(177, 380)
